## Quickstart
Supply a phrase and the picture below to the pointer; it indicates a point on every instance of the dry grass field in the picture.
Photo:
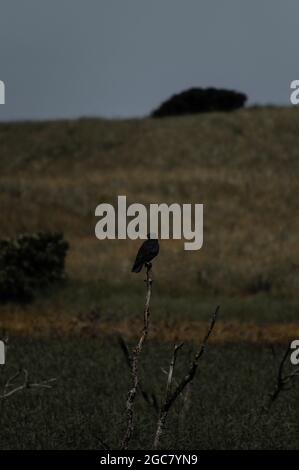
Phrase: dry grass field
(244, 168)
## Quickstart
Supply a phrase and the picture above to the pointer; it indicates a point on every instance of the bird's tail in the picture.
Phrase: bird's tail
(137, 268)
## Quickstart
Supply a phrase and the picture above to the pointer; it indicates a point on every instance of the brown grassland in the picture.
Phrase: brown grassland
(243, 167)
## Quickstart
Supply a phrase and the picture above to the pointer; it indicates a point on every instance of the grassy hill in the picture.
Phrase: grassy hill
(244, 168)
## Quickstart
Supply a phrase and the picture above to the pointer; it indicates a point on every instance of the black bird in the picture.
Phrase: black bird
(148, 251)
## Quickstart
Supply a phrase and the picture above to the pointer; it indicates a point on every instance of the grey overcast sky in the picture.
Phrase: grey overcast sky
(116, 58)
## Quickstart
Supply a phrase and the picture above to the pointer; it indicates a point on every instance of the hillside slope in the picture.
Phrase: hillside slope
(243, 167)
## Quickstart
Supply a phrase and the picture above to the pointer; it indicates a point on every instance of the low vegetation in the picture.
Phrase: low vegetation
(29, 264)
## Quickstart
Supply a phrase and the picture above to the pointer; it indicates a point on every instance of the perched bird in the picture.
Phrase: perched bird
(148, 250)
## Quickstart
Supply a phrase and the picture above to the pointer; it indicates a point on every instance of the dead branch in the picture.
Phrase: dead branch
(171, 369)
(284, 380)
(149, 397)
(171, 397)
(11, 388)
(135, 363)
(163, 416)
(186, 398)
(186, 404)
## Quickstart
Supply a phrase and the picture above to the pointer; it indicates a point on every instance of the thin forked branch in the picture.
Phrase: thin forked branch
(176, 349)
(171, 397)
(149, 397)
(284, 380)
(11, 388)
(135, 362)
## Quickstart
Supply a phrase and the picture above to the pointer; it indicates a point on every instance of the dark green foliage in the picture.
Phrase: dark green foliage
(29, 264)
(200, 100)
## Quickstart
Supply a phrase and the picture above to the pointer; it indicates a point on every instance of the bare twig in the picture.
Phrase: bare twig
(186, 403)
(171, 397)
(171, 369)
(284, 380)
(135, 363)
(149, 397)
(186, 398)
(8, 391)
(170, 380)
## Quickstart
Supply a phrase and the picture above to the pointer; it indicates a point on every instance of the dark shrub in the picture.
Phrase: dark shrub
(30, 263)
(200, 100)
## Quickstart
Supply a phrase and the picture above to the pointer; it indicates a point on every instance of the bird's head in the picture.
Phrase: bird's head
(152, 236)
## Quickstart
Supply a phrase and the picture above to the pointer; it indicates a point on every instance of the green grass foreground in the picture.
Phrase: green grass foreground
(86, 405)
